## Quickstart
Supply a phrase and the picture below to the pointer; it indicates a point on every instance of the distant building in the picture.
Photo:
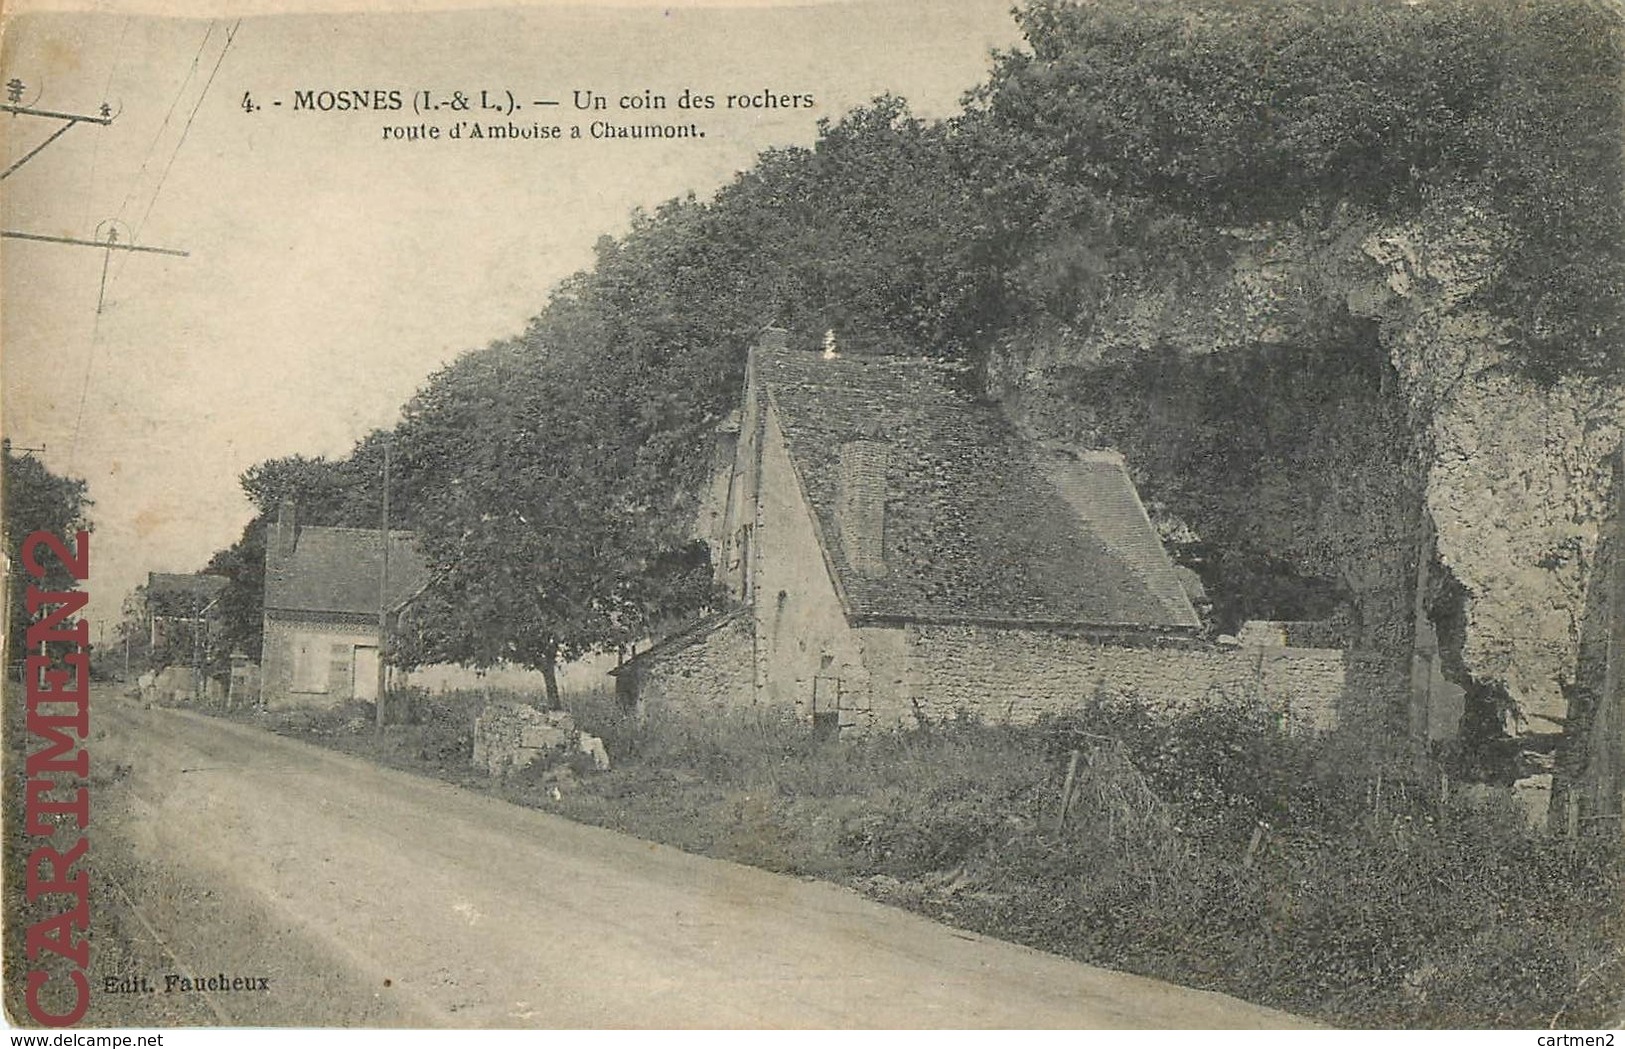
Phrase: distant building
(179, 609)
(180, 615)
(321, 610)
(897, 551)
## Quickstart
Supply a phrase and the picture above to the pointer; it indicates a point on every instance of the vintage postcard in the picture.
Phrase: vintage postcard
(863, 514)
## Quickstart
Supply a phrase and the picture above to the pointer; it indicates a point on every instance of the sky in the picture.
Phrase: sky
(331, 271)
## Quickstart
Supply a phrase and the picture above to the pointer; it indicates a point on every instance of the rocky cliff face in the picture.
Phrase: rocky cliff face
(1436, 449)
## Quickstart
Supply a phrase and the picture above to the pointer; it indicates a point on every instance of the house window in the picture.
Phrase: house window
(310, 661)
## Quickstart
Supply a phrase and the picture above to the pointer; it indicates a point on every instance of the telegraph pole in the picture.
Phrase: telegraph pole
(103, 118)
(383, 595)
(200, 647)
(14, 91)
(110, 244)
(197, 651)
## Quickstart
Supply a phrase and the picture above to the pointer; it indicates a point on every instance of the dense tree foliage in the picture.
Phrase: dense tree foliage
(547, 522)
(35, 500)
(1139, 129)
(552, 477)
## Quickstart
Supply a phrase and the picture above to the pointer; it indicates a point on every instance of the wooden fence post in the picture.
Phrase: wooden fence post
(1260, 828)
(1067, 789)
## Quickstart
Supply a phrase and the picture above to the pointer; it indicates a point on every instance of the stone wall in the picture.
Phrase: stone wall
(924, 672)
(807, 654)
(712, 673)
(1009, 675)
(1378, 693)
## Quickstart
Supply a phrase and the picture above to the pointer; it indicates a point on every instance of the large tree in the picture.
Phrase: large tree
(36, 499)
(544, 541)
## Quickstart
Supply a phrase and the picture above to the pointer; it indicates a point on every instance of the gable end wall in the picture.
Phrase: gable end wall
(804, 645)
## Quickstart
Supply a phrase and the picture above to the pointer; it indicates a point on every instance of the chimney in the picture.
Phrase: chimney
(860, 505)
(284, 532)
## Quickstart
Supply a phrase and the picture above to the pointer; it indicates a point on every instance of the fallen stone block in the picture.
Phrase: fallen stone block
(593, 747)
(543, 736)
(509, 737)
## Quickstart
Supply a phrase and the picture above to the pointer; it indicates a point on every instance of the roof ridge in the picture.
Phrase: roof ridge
(945, 364)
(394, 533)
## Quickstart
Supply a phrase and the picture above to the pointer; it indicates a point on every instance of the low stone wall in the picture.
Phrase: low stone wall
(1287, 633)
(509, 737)
(1001, 674)
(1377, 694)
(935, 672)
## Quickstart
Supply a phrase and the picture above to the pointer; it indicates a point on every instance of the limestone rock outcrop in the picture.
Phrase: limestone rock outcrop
(1515, 474)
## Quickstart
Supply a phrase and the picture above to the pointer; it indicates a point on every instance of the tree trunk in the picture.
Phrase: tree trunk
(550, 675)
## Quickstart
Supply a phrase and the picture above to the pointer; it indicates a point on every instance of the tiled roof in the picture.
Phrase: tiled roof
(336, 570)
(979, 522)
(694, 632)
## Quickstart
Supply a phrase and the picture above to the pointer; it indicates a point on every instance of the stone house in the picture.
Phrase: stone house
(896, 551)
(321, 610)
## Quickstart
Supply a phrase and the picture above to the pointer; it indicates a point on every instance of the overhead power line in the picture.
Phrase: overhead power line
(168, 115)
(186, 129)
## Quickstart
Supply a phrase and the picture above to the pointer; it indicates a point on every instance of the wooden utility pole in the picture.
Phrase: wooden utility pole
(383, 595)
(1068, 789)
(197, 652)
(68, 121)
(104, 118)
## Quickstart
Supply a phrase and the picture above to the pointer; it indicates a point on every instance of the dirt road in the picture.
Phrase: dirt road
(369, 896)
